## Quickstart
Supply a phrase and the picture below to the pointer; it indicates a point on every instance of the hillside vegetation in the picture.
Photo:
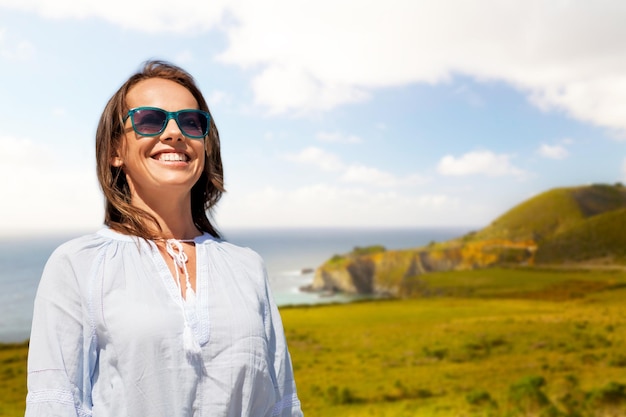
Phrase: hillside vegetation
(578, 224)
(494, 342)
(565, 227)
(553, 212)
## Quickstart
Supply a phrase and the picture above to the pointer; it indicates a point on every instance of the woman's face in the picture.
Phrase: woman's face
(156, 166)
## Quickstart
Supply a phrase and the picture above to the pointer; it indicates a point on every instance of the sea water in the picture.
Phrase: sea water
(290, 256)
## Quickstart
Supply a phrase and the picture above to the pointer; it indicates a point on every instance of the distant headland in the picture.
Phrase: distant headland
(580, 227)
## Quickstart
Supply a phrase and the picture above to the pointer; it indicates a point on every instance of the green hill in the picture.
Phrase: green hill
(553, 212)
(577, 226)
(601, 238)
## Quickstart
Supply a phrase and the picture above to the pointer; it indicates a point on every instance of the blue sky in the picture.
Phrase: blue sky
(331, 113)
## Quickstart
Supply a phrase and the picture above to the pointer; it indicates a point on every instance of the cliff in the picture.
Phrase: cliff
(561, 226)
(385, 272)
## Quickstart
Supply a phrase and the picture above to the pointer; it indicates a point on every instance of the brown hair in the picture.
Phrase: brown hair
(120, 215)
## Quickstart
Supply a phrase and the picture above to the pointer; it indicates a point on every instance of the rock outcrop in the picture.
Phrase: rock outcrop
(386, 272)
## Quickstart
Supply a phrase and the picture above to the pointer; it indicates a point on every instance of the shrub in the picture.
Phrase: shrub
(437, 353)
(336, 259)
(367, 250)
(482, 346)
(338, 396)
(614, 393)
(572, 398)
(480, 398)
(527, 396)
(619, 361)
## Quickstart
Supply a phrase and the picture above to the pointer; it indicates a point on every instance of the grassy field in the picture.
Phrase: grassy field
(497, 342)
(12, 379)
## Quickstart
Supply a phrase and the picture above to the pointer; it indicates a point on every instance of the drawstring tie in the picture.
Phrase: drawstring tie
(175, 249)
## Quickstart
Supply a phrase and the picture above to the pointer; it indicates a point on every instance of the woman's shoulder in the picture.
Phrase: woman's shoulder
(232, 251)
(74, 258)
(89, 243)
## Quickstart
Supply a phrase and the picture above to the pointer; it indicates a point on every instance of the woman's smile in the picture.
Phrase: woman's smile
(171, 157)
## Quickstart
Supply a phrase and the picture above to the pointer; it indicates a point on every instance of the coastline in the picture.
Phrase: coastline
(291, 257)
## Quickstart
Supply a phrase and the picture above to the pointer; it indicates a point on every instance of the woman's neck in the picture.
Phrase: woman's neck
(173, 216)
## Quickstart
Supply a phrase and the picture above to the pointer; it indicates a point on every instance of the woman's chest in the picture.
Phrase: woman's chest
(139, 305)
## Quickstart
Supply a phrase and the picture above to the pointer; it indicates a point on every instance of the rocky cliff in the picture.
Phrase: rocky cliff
(385, 272)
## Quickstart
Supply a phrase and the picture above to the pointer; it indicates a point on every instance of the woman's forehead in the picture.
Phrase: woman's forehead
(159, 92)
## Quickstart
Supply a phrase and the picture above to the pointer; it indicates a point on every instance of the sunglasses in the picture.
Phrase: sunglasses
(151, 121)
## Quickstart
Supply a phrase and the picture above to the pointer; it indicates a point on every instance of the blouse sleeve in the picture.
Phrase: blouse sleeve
(62, 352)
(288, 404)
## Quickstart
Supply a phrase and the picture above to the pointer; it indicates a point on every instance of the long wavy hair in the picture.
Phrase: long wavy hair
(120, 215)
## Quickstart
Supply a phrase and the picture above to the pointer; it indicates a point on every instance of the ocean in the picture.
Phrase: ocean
(289, 255)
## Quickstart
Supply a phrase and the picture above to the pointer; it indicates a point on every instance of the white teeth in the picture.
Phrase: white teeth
(171, 157)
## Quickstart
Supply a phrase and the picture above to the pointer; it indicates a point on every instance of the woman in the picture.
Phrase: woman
(154, 315)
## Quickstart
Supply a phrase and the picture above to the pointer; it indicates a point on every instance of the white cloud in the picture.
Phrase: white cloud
(14, 50)
(478, 162)
(553, 151)
(282, 90)
(156, 16)
(323, 160)
(24, 155)
(336, 56)
(360, 174)
(352, 173)
(368, 175)
(313, 56)
(337, 137)
(218, 97)
(325, 205)
(48, 196)
(317, 55)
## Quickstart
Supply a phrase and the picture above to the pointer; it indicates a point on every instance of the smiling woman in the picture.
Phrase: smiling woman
(155, 314)
(124, 132)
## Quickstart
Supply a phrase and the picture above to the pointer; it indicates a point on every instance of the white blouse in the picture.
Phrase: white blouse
(107, 335)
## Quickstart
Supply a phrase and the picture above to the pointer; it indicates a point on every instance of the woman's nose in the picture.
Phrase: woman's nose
(172, 131)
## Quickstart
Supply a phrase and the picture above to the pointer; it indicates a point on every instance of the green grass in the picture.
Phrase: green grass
(600, 237)
(516, 283)
(469, 355)
(496, 342)
(426, 357)
(13, 379)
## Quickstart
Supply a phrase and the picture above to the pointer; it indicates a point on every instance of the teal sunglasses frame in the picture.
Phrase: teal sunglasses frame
(168, 116)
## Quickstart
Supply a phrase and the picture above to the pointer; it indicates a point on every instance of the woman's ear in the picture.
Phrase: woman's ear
(116, 158)
(116, 161)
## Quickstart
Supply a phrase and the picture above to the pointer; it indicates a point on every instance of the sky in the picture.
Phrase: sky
(331, 113)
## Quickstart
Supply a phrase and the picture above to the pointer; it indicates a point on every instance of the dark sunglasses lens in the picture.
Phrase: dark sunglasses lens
(193, 123)
(149, 121)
